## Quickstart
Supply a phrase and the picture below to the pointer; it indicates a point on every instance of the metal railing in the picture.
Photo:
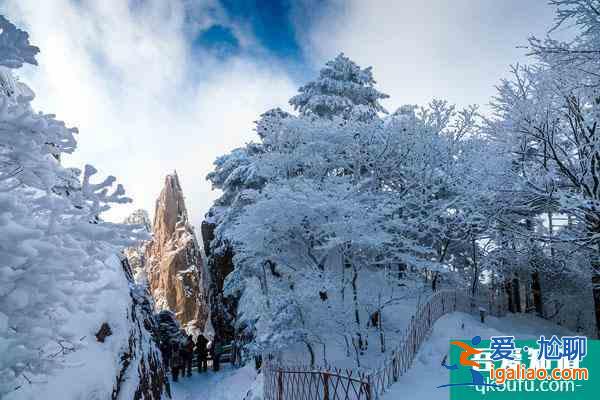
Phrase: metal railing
(285, 382)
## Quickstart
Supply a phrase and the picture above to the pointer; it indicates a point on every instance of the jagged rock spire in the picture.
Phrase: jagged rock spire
(170, 210)
(174, 262)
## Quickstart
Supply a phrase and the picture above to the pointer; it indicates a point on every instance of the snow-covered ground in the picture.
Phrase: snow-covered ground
(227, 384)
(420, 381)
(427, 373)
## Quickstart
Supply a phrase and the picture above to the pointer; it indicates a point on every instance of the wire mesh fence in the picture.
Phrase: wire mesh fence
(305, 383)
(285, 382)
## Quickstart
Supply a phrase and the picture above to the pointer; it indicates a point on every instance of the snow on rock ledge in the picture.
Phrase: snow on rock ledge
(126, 366)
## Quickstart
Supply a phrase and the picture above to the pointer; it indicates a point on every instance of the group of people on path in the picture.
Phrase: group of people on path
(178, 355)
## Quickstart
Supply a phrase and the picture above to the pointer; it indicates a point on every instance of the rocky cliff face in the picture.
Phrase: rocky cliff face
(173, 260)
(223, 309)
(141, 375)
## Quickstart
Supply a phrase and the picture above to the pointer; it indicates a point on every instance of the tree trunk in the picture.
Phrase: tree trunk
(434, 281)
(401, 272)
(360, 341)
(380, 326)
(311, 353)
(536, 288)
(346, 265)
(509, 295)
(475, 268)
(516, 292)
(528, 296)
(595, 266)
(596, 290)
(347, 345)
(537, 294)
(381, 337)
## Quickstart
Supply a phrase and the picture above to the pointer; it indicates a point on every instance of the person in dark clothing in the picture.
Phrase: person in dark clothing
(257, 362)
(188, 356)
(202, 353)
(176, 361)
(168, 332)
(215, 354)
(165, 350)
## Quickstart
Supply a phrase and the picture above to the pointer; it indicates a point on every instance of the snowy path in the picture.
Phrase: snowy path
(228, 384)
(426, 373)
(420, 381)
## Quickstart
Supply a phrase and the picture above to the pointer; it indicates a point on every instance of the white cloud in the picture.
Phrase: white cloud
(457, 50)
(146, 106)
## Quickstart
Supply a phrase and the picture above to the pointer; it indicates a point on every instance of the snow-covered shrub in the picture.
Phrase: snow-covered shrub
(546, 118)
(136, 254)
(57, 283)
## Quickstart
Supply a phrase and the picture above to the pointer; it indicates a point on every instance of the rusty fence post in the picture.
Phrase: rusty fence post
(369, 388)
(413, 334)
(279, 385)
(325, 385)
(428, 315)
(455, 301)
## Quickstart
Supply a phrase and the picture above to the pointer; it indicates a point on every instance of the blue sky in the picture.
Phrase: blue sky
(273, 26)
(279, 25)
(156, 85)
(271, 23)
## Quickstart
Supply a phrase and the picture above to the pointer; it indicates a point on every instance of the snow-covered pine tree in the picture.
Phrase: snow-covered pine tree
(342, 89)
